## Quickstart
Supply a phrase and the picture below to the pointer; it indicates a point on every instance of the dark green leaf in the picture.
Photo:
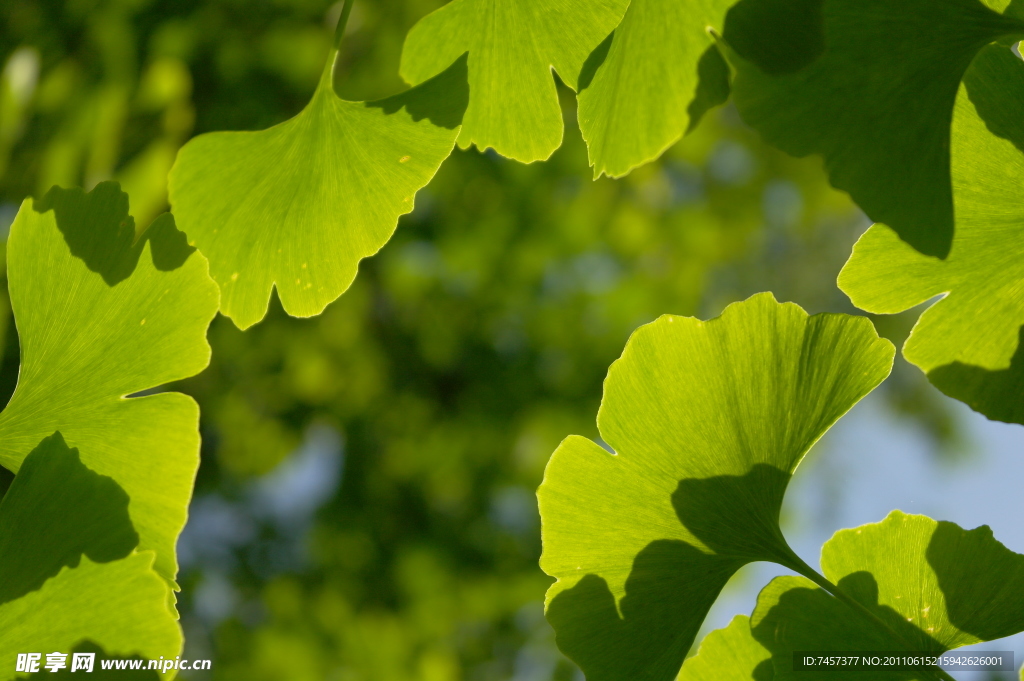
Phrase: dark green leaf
(870, 85)
(968, 341)
(56, 511)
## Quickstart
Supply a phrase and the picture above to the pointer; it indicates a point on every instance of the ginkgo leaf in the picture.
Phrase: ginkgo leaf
(67, 571)
(513, 45)
(998, 394)
(967, 341)
(729, 654)
(794, 614)
(921, 585)
(122, 605)
(957, 586)
(708, 421)
(87, 345)
(298, 205)
(636, 92)
(870, 85)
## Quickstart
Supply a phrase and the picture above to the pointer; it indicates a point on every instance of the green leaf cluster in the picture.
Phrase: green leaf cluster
(297, 206)
(968, 341)
(868, 87)
(461, 356)
(702, 424)
(93, 337)
(917, 585)
(705, 423)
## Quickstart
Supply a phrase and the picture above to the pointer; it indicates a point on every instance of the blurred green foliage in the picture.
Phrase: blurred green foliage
(464, 352)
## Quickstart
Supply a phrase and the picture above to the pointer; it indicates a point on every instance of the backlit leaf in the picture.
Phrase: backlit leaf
(729, 654)
(638, 90)
(298, 205)
(968, 341)
(926, 586)
(95, 328)
(870, 85)
(708, 421)
(123, 605)
(67, 571)
(42, 531)
(513, 45)
(794, 614)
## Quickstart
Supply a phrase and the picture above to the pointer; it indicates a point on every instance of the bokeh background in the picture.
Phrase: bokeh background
(365, 505)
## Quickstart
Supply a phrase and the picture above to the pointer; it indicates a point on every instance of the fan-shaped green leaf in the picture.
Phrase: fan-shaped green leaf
(86, 345)
(298, 205)
(67, 571)
(870, 85)
(708, 421)
(123, 605)
(967, 341)
(512, 46)
(927, 586)
(729, 654)
(638, 90)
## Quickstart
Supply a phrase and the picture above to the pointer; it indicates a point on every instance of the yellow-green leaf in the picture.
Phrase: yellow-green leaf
(298, 205)
(513, 45)
(707, 422)
(87, 345)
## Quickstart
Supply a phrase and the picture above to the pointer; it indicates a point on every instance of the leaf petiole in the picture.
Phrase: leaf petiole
(339, 32)
(813, 575)
(335, 60)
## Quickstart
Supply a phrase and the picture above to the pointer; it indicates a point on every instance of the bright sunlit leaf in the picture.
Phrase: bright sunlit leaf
(103, 315)
(513, 45)
(708, 421)
(729, 654)
(298, 205)
(920, 585)
(123, 604)
(67, 571)
(639, 90)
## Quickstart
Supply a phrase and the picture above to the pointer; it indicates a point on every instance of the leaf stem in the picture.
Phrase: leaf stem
(810, 573)
(339, 32)
(336, 72)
